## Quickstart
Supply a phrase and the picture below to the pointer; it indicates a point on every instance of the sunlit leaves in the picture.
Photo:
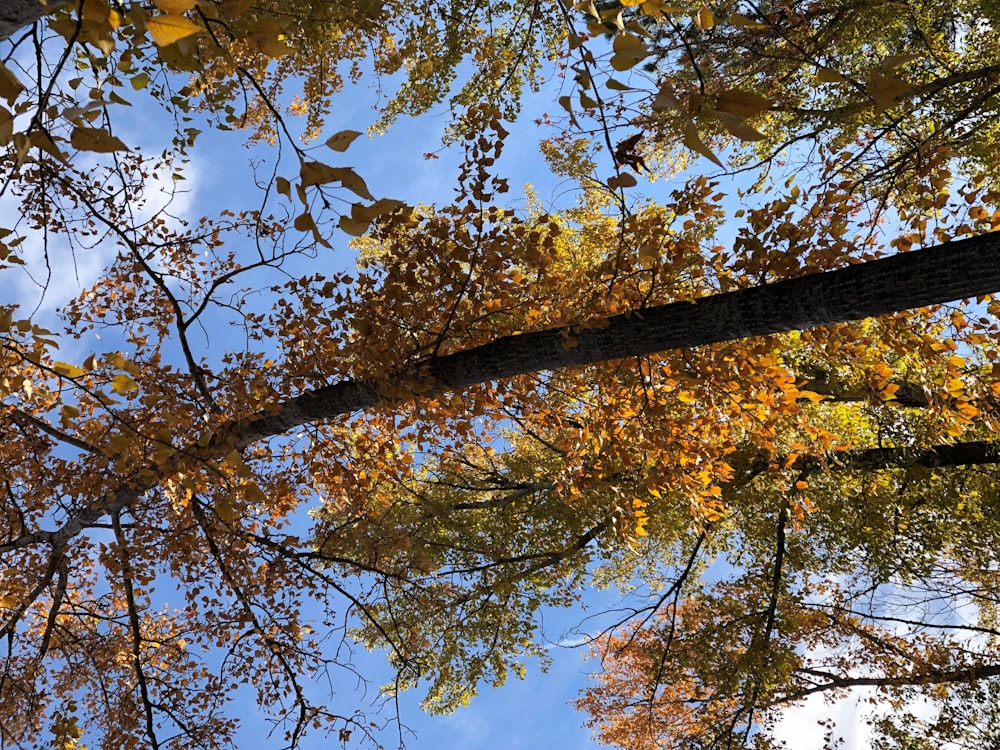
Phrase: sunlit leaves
(155, 491)
(171, 27)
(630, 50)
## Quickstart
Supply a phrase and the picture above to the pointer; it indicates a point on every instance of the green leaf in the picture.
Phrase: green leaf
(140, 81)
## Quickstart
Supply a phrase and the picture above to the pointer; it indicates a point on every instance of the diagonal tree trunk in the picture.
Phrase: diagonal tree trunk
(944, 273)
(955, 270)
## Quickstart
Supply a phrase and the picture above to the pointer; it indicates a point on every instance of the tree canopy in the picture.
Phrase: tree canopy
(744, 367)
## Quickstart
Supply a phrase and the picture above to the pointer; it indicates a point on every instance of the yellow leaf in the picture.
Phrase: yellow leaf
(95, 139)
(613, 17)
(253, 493)
(738, 19)
(44, 142)
(225, 508)
(738, 127)
(704, 19)
(353, 227)
(304, 222)
(828, 75)
(686, 397)
(894, 61)
(10, 86)
(6, 126)
(340, 141)
(175, 6)
(693, 141)
(629, 51)
(67, 370)
(665, 99)
(587, 7)
(649, 252)
(742, 103)
(234, 8)
(888, 393)
(317, 173)
(169, 28)
(268, 36)
(885, 90)
(623, 180)
(123, 384)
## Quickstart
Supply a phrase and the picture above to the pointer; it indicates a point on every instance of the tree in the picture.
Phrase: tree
(500, 407)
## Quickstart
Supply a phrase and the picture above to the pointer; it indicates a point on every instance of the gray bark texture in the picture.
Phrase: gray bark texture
(956, 270)
(16, 14)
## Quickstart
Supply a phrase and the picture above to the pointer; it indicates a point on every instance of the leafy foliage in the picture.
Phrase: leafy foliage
(271, 462)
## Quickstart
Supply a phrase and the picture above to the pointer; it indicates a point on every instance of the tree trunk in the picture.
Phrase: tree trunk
(956, 270)
(16, 14)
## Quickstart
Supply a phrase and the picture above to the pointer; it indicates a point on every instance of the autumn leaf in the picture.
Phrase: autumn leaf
(10, 85)
(123, 384)
(704, 18)
(693, 141)
(623, 180)
(629, 50)
(175, 6)
(95, 139)
(340, 141)
(170, 28)
(317, 173)
(741, 103)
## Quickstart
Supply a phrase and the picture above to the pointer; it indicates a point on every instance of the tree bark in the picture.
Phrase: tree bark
(16, 14)
(955, 270)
